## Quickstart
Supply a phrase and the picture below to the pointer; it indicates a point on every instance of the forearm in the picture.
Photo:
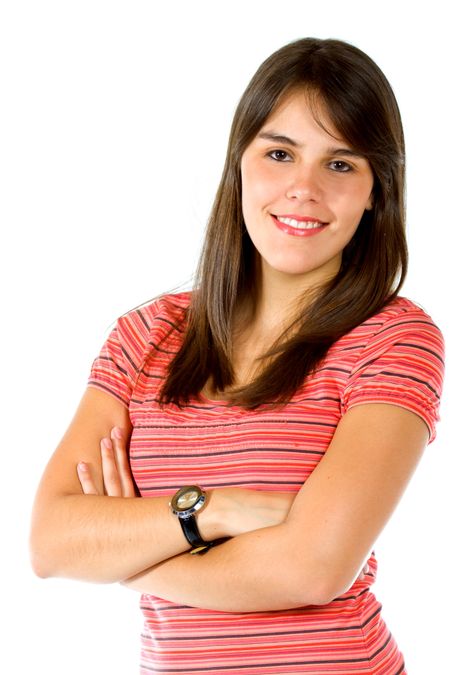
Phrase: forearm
(253, 572)
(104, 539)
(107, 539)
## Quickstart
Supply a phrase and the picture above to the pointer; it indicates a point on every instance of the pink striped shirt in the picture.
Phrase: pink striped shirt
(394, 357)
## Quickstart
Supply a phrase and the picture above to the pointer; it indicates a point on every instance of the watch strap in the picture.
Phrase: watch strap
(192, 534)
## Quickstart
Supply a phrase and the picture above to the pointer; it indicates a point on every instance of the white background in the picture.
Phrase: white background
(113, 128)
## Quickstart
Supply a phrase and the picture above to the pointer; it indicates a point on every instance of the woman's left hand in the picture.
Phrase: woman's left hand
(117, 478)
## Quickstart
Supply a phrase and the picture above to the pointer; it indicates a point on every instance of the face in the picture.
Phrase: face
(304, 191)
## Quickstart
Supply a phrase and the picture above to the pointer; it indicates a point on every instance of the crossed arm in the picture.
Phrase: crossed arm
(281, 554)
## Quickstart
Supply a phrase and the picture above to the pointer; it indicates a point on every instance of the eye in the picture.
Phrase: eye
(340, 166)
(279, 155)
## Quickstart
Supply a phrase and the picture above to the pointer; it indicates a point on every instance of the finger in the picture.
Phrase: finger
(111, 478)
(122, 463)
(85, 478)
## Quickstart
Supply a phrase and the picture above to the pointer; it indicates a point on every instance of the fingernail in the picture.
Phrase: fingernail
(82, 466)
(117, 433)
(106, 443)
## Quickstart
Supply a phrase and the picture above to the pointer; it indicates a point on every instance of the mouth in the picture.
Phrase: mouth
(299, 226)
(303, 223)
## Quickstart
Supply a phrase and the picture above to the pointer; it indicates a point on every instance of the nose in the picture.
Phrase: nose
(304, 185)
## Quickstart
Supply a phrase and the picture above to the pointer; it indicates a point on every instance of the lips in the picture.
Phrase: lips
(299, 225)
(300, 222)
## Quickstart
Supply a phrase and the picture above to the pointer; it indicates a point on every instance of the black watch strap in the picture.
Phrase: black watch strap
(191, 532)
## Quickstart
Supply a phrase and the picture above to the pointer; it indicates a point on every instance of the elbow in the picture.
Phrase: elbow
(40, 559)
(327, 587)
(326, 595)
(39, 564)
(45, 548)
(49, 561)
(315, 586)
(319, 594)
(314, 576)
(49, 553)
(307, 589)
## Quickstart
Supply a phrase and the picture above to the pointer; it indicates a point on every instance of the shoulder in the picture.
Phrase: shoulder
(135, 334)
(401, 319)
(148, 326)
(403, 311)
(397, 357)
(160, 316)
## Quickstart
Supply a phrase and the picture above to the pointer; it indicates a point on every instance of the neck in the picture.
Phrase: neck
(279, 297)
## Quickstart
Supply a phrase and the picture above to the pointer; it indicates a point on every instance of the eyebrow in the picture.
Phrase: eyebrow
(280, 138)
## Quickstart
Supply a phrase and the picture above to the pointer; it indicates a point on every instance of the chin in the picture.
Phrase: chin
(293, 268)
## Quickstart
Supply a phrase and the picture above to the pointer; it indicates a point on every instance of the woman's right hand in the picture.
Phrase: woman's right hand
(115, 468)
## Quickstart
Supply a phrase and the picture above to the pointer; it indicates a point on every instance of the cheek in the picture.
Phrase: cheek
(351, 204)
(258, 192)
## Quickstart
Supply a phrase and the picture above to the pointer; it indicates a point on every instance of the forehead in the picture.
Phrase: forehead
(301, 108)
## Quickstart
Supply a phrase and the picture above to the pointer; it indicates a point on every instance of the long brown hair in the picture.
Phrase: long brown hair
(362, 107)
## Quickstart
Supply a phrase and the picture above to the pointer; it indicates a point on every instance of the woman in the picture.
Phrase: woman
(281, 407)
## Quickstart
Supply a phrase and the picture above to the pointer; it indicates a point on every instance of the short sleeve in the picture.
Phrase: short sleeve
(117, 367)
(402, 364)
(109, 371)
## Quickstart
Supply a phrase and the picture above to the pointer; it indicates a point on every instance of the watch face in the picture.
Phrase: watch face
(187, 499)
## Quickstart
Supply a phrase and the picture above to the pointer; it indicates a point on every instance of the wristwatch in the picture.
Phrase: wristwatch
(185, 503)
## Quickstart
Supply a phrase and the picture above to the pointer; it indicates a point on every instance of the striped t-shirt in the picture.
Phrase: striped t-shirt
(394, 357)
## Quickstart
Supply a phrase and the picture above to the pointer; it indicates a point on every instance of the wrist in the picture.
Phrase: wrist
(213, 520)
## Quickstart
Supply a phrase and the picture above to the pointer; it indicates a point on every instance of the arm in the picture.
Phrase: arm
(89, 535)
(94, 537)
(316, 554)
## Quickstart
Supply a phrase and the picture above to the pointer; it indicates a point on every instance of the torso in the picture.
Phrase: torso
(215, 445)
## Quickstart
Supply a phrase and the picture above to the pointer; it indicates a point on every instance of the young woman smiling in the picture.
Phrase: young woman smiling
(281, 407)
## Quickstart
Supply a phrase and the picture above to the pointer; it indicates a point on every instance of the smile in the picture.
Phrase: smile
(298, 227)
(301, 225)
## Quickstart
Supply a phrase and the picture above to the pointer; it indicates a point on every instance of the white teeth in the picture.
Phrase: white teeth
(304, 225)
